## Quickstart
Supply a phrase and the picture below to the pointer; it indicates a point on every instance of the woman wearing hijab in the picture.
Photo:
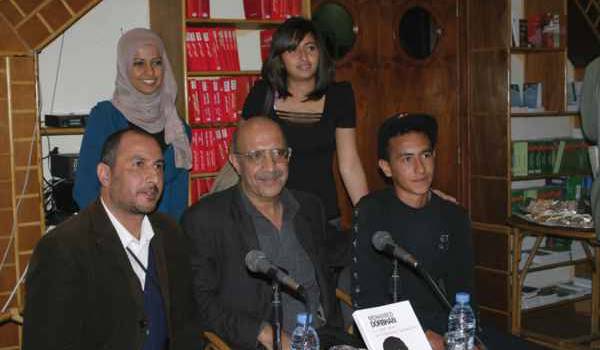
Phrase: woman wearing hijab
(144, 98)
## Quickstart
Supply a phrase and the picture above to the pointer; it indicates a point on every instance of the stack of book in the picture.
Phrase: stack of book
(216, 48)
(212, 49)
(201, 187)
(197, 9)
(537, 31)
(217, 100)
(210, 148)
(529, 101)
(272, 9)
(550, 157)
(539, 296)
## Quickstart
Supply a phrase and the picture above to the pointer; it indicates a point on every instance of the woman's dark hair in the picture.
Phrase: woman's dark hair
(286, 38)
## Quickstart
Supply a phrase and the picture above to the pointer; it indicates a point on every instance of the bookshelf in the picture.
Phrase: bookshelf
(491, 129)
(170, 19)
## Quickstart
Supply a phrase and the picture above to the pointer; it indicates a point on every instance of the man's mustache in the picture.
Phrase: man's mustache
(269, 175)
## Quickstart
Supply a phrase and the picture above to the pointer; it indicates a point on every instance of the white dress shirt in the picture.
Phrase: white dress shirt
(139, 247)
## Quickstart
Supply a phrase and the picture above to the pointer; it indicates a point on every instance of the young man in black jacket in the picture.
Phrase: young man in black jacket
(436, 232)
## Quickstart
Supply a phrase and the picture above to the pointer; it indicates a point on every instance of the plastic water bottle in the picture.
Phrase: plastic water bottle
(461, 325)
(304, 336)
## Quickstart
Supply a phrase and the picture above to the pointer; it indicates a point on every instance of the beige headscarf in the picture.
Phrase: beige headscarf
(155, 112)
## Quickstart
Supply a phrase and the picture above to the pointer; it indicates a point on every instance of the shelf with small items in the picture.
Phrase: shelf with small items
(544, 176)
(522, 114)
(197, 74)
(527, 50)
(240, 23)
(54, 131)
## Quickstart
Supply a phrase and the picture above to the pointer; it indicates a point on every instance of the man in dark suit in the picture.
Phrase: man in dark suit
(259, 213)
(117, 275)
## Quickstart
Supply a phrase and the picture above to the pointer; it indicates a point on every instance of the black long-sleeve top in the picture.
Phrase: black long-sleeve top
(438, 235)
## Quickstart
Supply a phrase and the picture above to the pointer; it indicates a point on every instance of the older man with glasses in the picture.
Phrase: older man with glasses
(259, 214)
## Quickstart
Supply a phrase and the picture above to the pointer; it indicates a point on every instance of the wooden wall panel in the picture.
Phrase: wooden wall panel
(10, 44)
(548, 69)
(488, 16)
(34, 32)
(489, 199)
(81, 5)
(9, 335)
(5, 170)
(492, 289)
(497, 258)
(12, 14)
(488, 145)
(489, 81)
(55, 14)
(27, 6)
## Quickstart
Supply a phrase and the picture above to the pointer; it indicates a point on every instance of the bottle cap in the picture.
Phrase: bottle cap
(462, 298)
(302, 317)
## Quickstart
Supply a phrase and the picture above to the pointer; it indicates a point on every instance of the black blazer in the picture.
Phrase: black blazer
(233, 301)
(83, 294)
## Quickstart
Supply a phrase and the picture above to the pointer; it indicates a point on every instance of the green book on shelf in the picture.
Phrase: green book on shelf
(520, 158)
(559, 155)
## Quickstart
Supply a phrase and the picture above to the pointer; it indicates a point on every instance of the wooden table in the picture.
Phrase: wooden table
(522, 228)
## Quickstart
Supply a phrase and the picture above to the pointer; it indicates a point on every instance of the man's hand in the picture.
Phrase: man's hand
(435, 340)
(265, 337)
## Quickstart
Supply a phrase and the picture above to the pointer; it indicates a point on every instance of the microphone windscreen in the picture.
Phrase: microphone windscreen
(393, 343)
(380, 239)
(255, 260)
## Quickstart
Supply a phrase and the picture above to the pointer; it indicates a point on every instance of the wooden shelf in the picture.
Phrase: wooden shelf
(558, 264)
(51, 131)
(214, 125)
(524, 50)
(544, 114)
(558, 303)
(233, 22)
(541, 176)
(194, 74)
(202, 175)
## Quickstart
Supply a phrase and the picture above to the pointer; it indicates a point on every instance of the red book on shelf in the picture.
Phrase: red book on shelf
(201, 49)
(253, 9)
(267, 9)
(266, 37)
(222, 49)
(236, 54)
(233, 104)
(193, 102)
(232, 49)
(242, 89)
(226, 99)
(190, 50)
(276, 10)
(534, 30)
(220, 147)
(295, 7)
(204, 8)
(212, 146)
(217, 100)
(191, 9)
(209, 49)
(206, 101)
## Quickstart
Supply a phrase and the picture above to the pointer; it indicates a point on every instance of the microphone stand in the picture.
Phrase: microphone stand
(395, 281)
(443, 298)
(276, 321)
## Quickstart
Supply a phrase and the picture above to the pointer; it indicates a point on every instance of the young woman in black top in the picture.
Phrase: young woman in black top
(316, 114)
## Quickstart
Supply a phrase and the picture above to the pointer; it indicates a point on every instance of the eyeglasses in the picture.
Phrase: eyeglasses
(278, 155)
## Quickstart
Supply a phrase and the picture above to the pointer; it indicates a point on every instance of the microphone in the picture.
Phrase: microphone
(393, 343)
(257, 262)
(383, 242)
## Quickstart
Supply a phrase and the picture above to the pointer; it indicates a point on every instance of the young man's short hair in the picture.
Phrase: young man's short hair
(400, 124)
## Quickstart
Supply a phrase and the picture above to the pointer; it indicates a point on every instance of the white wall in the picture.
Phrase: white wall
(74, 79)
